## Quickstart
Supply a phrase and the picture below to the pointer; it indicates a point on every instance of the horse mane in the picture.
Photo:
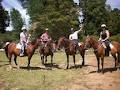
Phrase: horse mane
(93, 39)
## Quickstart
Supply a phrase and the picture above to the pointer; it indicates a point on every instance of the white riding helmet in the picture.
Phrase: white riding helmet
(103, 25)
(23, 28)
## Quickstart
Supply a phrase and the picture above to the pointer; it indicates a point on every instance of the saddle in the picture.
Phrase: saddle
(19, 46)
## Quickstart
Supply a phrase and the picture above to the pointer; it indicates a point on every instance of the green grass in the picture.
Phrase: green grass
(36, 78)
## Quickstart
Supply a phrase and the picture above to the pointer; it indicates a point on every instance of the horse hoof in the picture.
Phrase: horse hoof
(66, 67)
(98, 71)
(83, 64)
(18, 67)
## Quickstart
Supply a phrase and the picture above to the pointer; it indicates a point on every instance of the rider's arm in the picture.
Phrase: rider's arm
(79, 30)
(70, 37)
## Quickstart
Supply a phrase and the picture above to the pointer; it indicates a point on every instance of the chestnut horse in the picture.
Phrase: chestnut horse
(11, 49)
(70, 49)
(46, 50)
(99, 50)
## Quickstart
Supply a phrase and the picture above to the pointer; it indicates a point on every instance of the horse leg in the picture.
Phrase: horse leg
(42, 59)
(98, 62)
(102, 63)
(83, 56)
(29, 58)
(45, 59)
(115, 58)
(67, 61)
(52, 60)
(9, 57)
(15, 60)
(74, 60)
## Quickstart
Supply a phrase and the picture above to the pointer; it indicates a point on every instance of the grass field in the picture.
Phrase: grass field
(37, 78)
(45, 78)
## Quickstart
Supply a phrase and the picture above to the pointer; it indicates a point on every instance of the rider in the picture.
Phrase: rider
(74, 36)
(45, 38)
(23, 40)
(104, 38)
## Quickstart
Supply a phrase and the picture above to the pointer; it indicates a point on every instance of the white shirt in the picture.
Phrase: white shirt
(23, 37)
(74, 35)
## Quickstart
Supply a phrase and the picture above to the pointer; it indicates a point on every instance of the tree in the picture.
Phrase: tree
(57, 15)
(114, 21)
(17, 21)
(95, 14)
(4, 19)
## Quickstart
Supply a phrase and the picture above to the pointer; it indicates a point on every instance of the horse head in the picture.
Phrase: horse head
(88, 42)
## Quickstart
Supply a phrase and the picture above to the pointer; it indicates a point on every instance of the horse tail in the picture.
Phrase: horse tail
(6, 48)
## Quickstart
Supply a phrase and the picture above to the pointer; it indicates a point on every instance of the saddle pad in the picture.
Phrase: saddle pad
(111, 46)
(79, 44)
(18, 46)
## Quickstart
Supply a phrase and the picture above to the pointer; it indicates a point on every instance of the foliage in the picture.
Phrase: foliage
(4, 19)
(114, 22)
(57, 15)
(97, 12)
(17, 21)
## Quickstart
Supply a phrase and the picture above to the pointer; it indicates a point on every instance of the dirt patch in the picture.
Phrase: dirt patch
(91, 80)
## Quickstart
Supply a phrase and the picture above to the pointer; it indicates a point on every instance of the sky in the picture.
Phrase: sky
(9, 4)
(113, 3)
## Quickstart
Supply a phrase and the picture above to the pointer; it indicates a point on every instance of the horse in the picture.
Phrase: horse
(11, 49)
(47, 50)
(70, 49)
(99, 50)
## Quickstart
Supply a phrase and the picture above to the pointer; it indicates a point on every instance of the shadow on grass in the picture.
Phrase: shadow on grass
(48, 66)
(54, 65)
(105, 70)
(33, 68)
(78, 66)
(4, 65)
(4, 61)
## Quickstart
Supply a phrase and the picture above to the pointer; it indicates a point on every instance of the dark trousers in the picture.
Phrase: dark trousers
(76, 44)
(107, 43)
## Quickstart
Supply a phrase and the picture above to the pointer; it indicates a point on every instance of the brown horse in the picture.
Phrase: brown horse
(46, 50)
(99, 50)
(70, 49)
(11, 49)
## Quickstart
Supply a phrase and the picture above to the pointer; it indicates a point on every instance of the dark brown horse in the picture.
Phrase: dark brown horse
(46, 50)
(11, 49)
(70, 49)
(99, 50)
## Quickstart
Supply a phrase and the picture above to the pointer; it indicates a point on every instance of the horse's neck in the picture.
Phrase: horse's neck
(34, 46)
(66, 43)
(95, 44)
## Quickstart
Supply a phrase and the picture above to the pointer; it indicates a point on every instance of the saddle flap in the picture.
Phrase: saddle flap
(79, 44)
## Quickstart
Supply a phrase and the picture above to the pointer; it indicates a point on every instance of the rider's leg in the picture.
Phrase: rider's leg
(22, 49)
(107, 48)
